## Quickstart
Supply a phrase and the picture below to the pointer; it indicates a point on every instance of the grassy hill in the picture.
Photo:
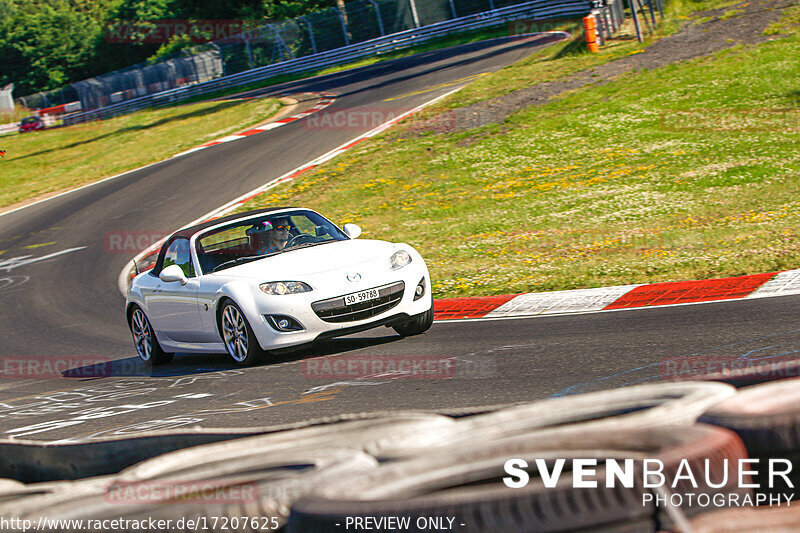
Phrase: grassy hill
(682, 171)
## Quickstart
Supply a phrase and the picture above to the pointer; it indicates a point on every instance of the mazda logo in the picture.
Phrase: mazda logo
(354, 277)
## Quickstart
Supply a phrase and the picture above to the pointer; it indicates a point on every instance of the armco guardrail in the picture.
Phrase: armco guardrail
(8, 128)
(609, 19)
(536, 9)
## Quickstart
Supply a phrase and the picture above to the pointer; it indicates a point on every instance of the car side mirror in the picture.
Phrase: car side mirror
(173, 273)
(352, 230)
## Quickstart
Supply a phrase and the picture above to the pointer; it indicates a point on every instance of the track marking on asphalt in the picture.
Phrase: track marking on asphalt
(16, 262)
(32, 246)
(442, 85)
(10, 281)
(193, 417)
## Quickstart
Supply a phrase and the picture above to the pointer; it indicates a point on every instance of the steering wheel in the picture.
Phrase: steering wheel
(294, 240)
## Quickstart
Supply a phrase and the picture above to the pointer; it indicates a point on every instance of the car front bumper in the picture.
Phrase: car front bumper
(333, 318)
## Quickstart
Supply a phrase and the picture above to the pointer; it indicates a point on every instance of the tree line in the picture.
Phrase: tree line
(47, 44)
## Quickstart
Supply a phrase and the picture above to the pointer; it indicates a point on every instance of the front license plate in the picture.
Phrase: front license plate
(362, 296)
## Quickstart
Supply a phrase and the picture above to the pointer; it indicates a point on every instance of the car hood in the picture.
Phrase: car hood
(299, 264)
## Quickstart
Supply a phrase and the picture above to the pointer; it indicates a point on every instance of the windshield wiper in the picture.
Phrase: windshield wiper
(240, 260)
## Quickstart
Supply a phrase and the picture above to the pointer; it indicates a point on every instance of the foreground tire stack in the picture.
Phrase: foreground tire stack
(465, 483)
(435, 471)
(767, 419)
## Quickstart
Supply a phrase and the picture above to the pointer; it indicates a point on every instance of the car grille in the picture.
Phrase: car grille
(334, 309)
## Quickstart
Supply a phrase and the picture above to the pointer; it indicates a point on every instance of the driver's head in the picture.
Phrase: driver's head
(280, 231)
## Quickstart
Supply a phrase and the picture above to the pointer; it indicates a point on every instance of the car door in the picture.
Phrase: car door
(173, 308)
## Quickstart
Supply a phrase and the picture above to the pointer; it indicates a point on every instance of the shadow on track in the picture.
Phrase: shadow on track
(194, 364)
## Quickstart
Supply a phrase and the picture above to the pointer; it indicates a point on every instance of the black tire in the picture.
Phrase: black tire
(633, 408)
(237, 335)
(464, 483)
(144, 339)
(762, 519)
(418, 324)
(767, 419)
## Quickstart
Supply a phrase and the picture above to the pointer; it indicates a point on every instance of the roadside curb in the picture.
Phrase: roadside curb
(325, 99)
(619, 297)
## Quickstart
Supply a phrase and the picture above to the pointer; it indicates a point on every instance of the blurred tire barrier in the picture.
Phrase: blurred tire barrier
(759, 520)
(416, 465)
(33, 461)
(369, 435)
(465, 484)
(767, 419)
(636, 407)
(274, 468)
(261, 486)
(51, 495)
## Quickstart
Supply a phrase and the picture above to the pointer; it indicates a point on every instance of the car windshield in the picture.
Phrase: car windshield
(30, 120)
(265, 235)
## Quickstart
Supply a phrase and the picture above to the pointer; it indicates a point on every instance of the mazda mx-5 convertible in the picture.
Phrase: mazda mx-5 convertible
(270, 279)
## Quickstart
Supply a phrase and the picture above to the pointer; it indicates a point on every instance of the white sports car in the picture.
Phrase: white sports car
(270, 279)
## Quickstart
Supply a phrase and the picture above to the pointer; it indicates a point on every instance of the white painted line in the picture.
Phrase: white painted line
(197, 149)
(16, 262)
(270, 126)
(229, 138)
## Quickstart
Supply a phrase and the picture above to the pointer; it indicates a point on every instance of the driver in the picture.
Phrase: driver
(275, 239)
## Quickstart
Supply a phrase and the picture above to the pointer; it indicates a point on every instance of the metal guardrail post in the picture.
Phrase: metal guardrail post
(414, 14)
(310, 34)
(250, 61)
(652, 14)
(634, 15)
(221, 60)
(281, 41)
(378, 15)
(344, 25)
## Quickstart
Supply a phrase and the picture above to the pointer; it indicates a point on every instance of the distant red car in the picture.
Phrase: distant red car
(31, 124)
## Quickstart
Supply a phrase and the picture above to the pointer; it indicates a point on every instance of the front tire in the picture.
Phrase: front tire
(144, 338)
(237, 335)
(418, 324)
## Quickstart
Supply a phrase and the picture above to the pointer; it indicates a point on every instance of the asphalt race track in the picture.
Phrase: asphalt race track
(60, 302)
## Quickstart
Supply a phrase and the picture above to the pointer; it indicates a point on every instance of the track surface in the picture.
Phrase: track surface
(67, 306)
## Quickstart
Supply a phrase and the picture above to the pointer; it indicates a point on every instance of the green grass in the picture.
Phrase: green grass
(787, 24)
(46, 161)
(730, 14)
(685, 172)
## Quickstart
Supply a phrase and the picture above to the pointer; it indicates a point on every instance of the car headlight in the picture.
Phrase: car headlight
(399, 259)
(277, 288)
